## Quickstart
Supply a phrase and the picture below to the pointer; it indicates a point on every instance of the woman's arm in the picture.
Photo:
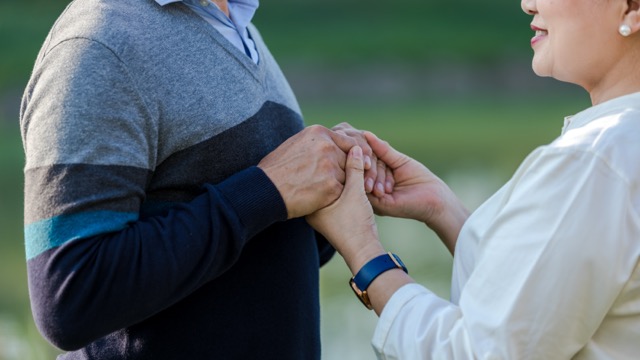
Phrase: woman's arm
(350, 227)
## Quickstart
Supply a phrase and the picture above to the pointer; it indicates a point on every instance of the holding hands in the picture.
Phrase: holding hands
(339, 178)
(348, 223)
(412, 192)
(308, 168)
(378, 177)
(416, 193)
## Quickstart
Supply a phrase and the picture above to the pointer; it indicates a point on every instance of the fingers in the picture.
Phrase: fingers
(371, 172)
(344, 142)
(370, 179)
(385, 180)
(370, 159)
(390, 156)
(380, 159)
(307, 170)
(345, 129)
(379, 188)
(390, 181)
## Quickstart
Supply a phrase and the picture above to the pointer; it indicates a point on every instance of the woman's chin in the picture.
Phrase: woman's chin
(540, 70)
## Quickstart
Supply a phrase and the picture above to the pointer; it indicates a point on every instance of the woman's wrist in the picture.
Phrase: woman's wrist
(449, 222)
(357, 258)
(384, 286)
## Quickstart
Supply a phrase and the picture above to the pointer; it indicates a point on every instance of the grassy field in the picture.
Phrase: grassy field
(488, 132)
(329, 32)
(404, 30)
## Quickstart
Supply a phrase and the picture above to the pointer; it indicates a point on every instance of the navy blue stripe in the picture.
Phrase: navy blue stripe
(225, 154)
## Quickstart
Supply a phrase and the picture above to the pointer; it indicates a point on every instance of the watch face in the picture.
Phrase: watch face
(362, 295)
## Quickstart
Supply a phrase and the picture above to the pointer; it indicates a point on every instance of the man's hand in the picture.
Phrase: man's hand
(378, 179)
(308, 169)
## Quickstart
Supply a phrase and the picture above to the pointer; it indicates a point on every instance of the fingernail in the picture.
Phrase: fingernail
(369, 185)
(367, 162)
(389, 187)
(380, 188)
(357, 152)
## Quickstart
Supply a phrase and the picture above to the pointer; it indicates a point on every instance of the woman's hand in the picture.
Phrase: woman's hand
(418, 194)
(349, 224)
(350, 227)
(378, 179)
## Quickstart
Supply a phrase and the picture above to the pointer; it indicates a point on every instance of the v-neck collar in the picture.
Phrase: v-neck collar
(195, 20)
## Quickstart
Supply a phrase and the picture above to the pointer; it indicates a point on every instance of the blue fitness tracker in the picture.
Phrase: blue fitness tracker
(371, 270)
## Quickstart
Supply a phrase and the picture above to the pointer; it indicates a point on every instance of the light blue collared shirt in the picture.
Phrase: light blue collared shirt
(232, 27)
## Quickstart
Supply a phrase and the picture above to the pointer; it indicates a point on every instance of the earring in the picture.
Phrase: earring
(624, 30)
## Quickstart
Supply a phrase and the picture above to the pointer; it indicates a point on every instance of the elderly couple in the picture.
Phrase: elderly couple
(177, 208)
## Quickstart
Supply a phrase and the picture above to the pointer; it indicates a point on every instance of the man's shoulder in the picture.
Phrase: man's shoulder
(115, 23)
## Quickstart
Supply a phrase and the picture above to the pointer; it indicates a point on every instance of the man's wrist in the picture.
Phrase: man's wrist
(254, 197)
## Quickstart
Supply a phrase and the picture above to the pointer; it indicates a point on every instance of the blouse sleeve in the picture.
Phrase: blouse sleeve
(549, 267)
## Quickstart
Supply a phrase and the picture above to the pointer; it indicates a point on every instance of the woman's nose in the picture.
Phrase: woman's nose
(528, 6)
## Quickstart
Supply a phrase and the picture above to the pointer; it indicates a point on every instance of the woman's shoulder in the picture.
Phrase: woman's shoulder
(611, 138)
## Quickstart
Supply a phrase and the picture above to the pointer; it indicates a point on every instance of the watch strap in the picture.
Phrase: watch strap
(375, 267)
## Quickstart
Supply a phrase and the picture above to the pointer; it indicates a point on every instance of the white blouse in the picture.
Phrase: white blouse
(548, 267)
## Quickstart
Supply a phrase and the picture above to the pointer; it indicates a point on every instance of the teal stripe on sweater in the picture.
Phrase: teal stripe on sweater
(50, 233)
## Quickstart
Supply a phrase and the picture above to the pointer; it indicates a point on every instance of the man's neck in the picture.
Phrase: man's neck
(223, 5)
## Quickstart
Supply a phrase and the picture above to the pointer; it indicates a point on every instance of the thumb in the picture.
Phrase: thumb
(354, 170)
(390, 156)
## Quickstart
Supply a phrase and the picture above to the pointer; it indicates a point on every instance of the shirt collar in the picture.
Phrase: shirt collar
(608, 107)
(242, 11)
(165, 2)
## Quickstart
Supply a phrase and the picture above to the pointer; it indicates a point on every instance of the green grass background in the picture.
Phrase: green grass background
(481, 131)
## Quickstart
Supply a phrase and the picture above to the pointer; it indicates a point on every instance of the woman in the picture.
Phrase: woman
(548, 267)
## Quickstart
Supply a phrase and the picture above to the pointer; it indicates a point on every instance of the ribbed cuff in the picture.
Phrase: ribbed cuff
(255, 198)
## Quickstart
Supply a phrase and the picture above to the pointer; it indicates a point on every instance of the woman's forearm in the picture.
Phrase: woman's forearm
(384, 286)
(448, 225)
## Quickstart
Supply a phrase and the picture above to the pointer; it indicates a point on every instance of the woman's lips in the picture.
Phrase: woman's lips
(539, 35)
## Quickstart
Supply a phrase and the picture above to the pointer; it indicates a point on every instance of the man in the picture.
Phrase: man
(150, 231)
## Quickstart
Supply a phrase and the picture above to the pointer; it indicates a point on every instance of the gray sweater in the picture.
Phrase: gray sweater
(149, 231)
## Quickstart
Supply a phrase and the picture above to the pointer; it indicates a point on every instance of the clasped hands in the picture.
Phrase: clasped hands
(337, 178)
(309, 168)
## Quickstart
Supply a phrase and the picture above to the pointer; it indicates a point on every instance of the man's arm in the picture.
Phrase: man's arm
(94, 265)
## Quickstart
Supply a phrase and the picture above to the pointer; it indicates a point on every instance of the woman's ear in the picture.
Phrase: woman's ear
(632, 16)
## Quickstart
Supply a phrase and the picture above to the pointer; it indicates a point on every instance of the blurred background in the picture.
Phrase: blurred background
(447, 82)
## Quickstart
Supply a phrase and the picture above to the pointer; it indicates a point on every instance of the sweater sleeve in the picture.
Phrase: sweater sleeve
(94, 265)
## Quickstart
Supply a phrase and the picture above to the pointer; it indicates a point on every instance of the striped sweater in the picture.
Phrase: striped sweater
(150, 233)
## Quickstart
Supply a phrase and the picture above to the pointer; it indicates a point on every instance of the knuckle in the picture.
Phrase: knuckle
(334, 188)
(343, 126)
(325, 164)
(346, 124)
(316, 129)
(326, 147)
